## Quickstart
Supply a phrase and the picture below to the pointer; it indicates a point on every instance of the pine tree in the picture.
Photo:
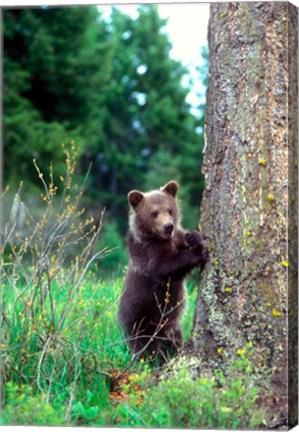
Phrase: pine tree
(55, 62)
(148, 126)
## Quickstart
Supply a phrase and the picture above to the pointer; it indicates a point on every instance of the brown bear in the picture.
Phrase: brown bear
(161, 254)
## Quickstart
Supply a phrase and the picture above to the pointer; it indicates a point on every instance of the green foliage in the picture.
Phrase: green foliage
(87, 412)
(116, 258)
(215, 402)
(25, 409)
(51, 83)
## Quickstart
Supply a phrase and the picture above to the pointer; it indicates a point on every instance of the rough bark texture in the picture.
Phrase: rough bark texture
(248, 291)
(292, 216)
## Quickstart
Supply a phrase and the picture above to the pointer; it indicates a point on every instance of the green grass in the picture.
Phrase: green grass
(66, 382)
(69, 366)
(71, 363)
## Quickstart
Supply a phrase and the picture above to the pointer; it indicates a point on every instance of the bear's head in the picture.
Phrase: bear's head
(156, 213)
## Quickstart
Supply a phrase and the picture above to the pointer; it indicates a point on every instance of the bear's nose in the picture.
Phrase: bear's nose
(168, 228)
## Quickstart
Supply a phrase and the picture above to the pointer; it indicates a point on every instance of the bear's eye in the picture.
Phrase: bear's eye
(170, 212)
(154, 214)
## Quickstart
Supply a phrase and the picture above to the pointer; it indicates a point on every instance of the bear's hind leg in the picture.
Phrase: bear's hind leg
(144, 343)
(172, 342)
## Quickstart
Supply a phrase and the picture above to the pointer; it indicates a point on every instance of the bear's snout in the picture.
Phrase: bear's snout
(168, 228)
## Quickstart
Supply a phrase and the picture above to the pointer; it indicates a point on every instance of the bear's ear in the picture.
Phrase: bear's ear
(135, 197)
(171, 188)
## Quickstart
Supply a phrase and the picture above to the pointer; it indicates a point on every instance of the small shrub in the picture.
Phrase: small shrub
(22, 408)
(215, 402)
(59, 330)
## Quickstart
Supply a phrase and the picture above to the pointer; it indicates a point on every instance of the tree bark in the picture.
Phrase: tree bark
(248, 290)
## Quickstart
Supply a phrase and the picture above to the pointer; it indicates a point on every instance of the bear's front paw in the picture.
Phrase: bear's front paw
(195, 243)
(192, 239)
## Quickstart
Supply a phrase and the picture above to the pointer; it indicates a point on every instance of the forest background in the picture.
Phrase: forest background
(109, 88)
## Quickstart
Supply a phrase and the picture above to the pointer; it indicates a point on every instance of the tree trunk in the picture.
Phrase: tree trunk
(248, 290)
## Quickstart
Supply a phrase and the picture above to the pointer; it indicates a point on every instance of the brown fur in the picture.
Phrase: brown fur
(161, 255)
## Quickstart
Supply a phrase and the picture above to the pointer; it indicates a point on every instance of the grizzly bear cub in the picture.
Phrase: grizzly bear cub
(161, 254)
